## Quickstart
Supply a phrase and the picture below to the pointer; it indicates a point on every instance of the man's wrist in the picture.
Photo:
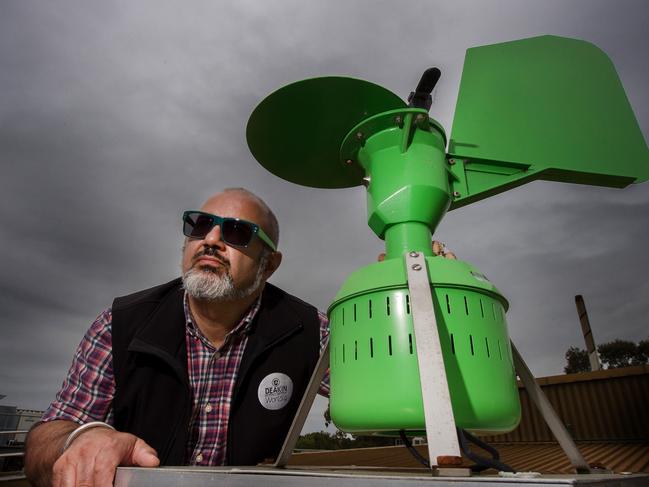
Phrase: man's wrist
(81, 429)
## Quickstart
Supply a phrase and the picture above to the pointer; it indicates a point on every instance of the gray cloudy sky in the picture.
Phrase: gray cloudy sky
(115, 116)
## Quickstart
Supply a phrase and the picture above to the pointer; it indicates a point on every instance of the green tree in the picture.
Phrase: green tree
(576, 361)
(618, 353)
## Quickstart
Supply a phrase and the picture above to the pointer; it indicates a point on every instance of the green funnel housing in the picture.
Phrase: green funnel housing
(541, 108)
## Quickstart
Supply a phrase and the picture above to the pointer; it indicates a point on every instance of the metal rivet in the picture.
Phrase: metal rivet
(414, 254)
(349, 161)
(456, 194)
(359, 135)
(416, 267)
(451, 162)
(398, 120)
(420, 117)
(366, 181)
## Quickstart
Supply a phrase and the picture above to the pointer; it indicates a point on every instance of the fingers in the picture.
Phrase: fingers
(143, 455)
(63, 474)
(92, 458)
(439, 249)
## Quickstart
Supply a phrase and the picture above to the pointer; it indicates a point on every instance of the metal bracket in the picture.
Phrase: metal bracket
(549, 415)
(303, 410)
(438, 412)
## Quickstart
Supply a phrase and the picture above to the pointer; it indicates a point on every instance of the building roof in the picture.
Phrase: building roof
(607, 413)
(536, 457)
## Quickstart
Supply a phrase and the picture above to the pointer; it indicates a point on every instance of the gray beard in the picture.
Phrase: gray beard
(209, 286)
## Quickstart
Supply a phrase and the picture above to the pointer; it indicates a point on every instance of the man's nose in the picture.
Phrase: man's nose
(214, 237)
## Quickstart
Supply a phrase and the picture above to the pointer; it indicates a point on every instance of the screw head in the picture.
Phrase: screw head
(451, 162)
(366, 181)
(414, 254)
(398, 119)
(359, 135)
(456, 194)
(420, 117)
(349, 161)
(416, 267)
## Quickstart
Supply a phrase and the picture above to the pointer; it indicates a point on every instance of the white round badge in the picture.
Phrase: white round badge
(275, 390)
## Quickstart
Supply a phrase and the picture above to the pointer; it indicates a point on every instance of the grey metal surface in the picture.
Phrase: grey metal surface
(438, 412)
(549, 414)
(304, 408)
(268, 477)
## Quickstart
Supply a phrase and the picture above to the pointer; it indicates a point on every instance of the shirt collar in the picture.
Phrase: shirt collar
(243, 327)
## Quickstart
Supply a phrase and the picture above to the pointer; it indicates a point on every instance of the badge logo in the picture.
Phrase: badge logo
(275, 390)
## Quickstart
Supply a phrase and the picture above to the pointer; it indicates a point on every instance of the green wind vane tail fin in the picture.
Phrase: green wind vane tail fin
(542, 108)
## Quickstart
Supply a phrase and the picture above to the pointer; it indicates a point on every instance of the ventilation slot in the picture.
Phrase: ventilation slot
(343, 316)
(371, 348)
(493, 310)
(390, 345)
(471, 341)
(410, 342)
(407, 304)
(486, 342)
(354, 312)
(466, 306)
(452, 344)
(355, 350)
(343, 353)
(481, 309)
(387, 305)
(500, 352)
(448, 305)
(370, 308)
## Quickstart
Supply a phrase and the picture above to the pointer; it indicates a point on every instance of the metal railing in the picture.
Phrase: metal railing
(7, 476)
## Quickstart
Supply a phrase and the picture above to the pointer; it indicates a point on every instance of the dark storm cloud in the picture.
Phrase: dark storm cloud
(114, 116)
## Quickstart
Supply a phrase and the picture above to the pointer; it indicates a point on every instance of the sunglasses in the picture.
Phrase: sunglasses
(235, 232)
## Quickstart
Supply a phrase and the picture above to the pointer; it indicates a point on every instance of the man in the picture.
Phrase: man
(207, 371)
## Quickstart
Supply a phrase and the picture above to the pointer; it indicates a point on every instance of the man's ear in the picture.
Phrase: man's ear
(274, 260)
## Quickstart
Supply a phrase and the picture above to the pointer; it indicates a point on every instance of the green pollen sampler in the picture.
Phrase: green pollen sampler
(546, 108)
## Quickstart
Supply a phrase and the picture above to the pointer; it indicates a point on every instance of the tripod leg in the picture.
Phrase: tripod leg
(303, 410)
(549, 414)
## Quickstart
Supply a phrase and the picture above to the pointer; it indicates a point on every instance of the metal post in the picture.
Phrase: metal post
(549, 415)
(304, 408)
(588, 333)
(438, 412)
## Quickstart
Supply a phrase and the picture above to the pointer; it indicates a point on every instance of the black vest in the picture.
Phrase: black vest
(153, 398)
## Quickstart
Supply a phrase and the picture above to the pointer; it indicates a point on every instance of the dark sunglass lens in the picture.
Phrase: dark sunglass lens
(237, 232)
(197, 225)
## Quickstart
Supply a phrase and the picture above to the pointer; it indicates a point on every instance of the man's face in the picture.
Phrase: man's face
(234, 271)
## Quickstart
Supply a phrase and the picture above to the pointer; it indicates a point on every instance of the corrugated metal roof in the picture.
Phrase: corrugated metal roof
(538, 457)
(607, 413)
(607, 405)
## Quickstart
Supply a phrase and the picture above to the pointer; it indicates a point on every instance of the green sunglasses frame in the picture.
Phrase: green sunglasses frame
(218, 220)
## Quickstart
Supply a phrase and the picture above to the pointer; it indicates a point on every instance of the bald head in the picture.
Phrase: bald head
(265, 217)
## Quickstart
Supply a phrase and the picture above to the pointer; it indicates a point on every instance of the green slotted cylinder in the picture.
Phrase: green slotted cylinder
(374, 370)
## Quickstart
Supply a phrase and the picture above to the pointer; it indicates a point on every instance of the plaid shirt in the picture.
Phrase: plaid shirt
(88, 390)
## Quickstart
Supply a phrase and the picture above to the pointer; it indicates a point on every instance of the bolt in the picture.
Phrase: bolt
(398, 120)
(349, 161)
(366, 181)
(416, 267)
(359, 135)
(451, 162)
(414, 254)
(456, 194)
(420, 117)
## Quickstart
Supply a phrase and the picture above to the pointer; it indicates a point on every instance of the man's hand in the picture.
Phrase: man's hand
(439, 249)
(92, 458)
